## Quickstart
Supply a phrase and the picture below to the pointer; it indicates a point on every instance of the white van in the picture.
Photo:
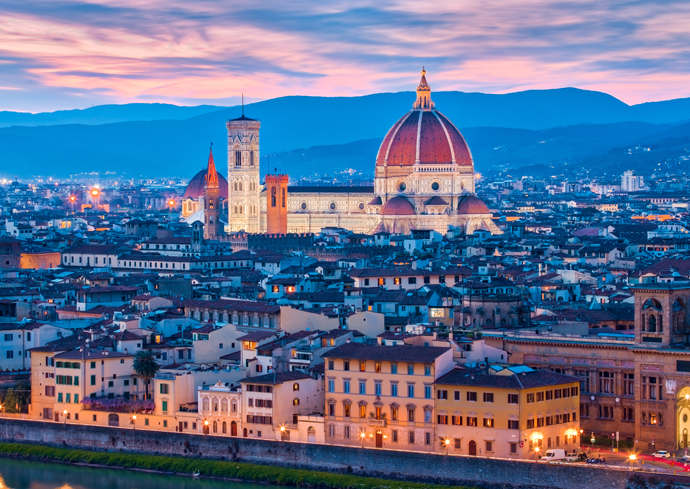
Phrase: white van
(554, 454)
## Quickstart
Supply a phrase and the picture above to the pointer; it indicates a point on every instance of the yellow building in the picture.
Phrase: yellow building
(514, 412)
(382, 396)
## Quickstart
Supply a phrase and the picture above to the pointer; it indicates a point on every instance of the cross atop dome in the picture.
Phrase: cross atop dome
(423, 101)
(211, 173)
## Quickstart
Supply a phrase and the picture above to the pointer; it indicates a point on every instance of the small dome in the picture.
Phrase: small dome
(470, 204)
(397, 206)
(195, 188)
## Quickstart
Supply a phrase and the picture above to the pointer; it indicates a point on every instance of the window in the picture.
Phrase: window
(394, 368)
(377, 367)
(330, 364)
(427, 392)
(427, 438)
(456, 420)
(584, 410)
(410, 437)
(362, 366)
(549, 395)
(362, 411)
(442, 394)
(530, 397)
(513, 424)
(164, 389)
(457, 395)
(471, 421)
(472, 396)
(410, 390)
(442, 419)
(395, 436)
(10, 354)
(295, 386)
(410, 369)
(530, 424)
(346, 432)
(427, 370)
(540, 422)
(394, 413)
(295, 401)
(362, 387)
(540, 396)
(346, 386)
(488, 397)
(377, 388)
(489, 446)
(331, 410)
(394, 390)
(331, 386)
(164, 406)
(488, 423)
(346, 410)
(512, 398)
(93, 380)
(410, 415)
(458, 443)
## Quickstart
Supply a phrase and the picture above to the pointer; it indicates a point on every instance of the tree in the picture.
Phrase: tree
(146, 367)
(10, 402)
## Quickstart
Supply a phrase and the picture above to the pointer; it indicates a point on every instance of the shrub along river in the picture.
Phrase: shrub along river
(29, 474)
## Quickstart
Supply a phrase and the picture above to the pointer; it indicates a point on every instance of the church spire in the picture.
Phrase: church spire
(423, 101)
(211, 173)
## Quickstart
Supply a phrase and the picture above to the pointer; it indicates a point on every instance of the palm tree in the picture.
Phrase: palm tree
(146, 367)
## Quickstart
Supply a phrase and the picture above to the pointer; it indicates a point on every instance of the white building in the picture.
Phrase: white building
(631, 182)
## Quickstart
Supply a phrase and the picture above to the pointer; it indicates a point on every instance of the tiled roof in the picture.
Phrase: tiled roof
(400, 353)
(526, 380)
(275, 378)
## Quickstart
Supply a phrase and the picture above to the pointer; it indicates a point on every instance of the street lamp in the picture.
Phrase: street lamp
(206, 427)
(362, 436)
(65, 414)
(536, 452)
(446, 442)
(134, 421)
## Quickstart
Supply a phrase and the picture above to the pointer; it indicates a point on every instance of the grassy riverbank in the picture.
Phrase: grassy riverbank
(211, 468)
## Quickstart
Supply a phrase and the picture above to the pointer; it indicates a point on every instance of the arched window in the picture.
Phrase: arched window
(204, 405)
(295, 402)
(215, 426)
(273, 196)
(233, 407)
(239, 186)
(215, 405)
(224, 406)
(251, 158)
(225, 427)
(295, 386)
(238, 158)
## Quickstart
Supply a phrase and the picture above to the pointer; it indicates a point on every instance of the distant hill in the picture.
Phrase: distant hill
(104, 114)
(525, 128)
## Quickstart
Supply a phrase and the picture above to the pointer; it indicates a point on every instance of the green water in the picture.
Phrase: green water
(23, 474)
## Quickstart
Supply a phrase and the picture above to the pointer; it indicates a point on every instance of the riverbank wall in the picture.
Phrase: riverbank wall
(391, 464)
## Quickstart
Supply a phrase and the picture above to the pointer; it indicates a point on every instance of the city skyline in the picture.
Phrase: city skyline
(61, 55)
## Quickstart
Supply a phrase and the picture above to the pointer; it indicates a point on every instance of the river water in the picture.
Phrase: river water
(24, 474)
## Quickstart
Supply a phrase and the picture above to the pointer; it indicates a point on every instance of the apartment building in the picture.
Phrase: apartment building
(60, 381)
(16, 339)
(383, 396)
(272, 403)
(513, 412)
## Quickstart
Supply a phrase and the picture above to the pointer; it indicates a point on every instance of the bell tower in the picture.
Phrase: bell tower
(276, 205)
(211, 201)
(243, 175)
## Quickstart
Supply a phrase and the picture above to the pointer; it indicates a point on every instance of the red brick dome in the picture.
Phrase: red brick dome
(195, 188)
(424, 136)
(470, 204)
(398, 206)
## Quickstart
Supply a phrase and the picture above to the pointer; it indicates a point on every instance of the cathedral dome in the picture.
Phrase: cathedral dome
(423, 136)
(469, 204)
(398, 206)
(195, 188)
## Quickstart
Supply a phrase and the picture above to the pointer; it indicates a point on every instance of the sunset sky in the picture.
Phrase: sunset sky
(59, 54)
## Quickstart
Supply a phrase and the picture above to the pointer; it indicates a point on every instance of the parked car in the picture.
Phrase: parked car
(684, 458)
(554, 454)
(577, 457)
(661, 454)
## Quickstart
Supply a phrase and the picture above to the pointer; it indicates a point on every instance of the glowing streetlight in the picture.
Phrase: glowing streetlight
(446, 442)
(536, 452)
(362, 436)
(95, 192)
(65, 414)
(134, 420)
(171, 203)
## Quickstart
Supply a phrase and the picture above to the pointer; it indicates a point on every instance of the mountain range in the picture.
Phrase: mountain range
(306, 135)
